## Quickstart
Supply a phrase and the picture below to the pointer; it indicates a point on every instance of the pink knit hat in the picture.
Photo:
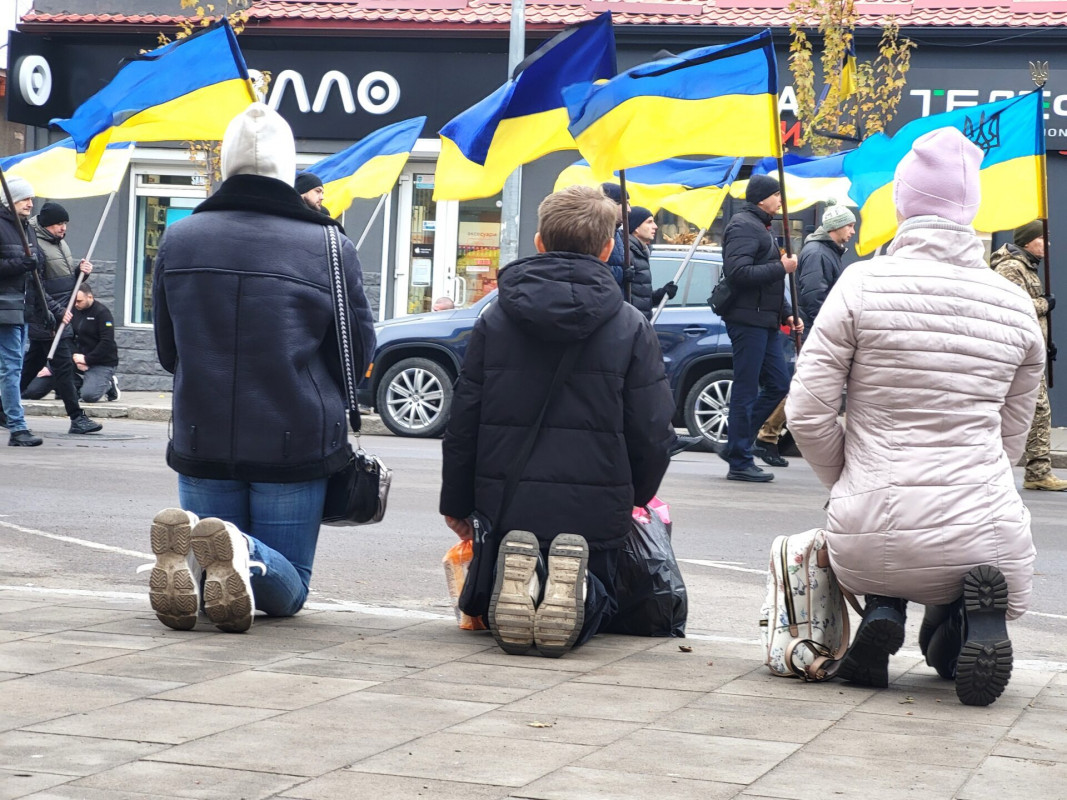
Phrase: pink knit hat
(939, 176)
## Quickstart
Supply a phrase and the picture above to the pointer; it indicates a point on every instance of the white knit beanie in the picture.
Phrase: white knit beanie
(259, 142)
(20, 189)
(836, 216)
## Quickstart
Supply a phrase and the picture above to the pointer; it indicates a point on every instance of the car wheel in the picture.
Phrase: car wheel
(707, 406)
(415, 398)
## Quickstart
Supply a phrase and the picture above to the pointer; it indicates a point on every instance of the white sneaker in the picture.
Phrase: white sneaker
(175, 580)
(515, 590)
(222, 552)
(560, 615)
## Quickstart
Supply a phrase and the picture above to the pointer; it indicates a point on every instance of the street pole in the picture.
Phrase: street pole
(510, 204)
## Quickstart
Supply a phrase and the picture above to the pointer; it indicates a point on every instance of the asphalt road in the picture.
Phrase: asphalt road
(58, 500)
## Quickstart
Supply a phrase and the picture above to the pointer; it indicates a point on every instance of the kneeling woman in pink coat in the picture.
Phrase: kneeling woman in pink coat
(941, 358)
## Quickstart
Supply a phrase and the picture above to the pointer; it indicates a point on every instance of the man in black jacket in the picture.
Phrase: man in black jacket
(602, 447)
(820, 262)
(96, 354)
(756, 273)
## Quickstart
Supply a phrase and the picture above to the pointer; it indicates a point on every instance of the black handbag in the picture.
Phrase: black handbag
(358, 493)
(722, 299)
(478, 586)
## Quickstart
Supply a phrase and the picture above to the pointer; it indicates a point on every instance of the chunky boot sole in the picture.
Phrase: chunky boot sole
(985, 662)
(511, 609)
(227, 591)
(560, 616)
(879, 636)
(172, 588)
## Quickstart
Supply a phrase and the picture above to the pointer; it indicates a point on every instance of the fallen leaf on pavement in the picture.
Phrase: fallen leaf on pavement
(540, 724)
(685, 648)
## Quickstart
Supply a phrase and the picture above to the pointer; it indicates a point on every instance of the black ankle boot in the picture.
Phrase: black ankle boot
(933, 616)
(879, 635)
(943, 646)
(985, 659)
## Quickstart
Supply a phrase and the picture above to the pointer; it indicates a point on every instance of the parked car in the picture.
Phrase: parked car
(418, 358)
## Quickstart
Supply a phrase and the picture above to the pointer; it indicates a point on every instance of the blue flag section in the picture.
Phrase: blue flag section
(808, 179)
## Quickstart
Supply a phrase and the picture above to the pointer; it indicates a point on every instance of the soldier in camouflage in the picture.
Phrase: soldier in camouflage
(1018, 263)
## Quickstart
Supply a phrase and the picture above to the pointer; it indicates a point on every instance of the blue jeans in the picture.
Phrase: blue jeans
(761, 380)
(282, 523)
(12, 345)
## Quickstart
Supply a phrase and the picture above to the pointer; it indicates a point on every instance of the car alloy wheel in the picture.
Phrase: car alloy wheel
(415, 398)
(707, 406)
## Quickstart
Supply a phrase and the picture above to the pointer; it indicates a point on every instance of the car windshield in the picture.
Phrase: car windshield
(696, 282)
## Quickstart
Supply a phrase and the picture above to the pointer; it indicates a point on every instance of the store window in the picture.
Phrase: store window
(423, 233)
(160, 200)
(477, 249)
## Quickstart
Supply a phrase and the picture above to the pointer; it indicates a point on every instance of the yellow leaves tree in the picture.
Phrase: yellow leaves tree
(849, 110)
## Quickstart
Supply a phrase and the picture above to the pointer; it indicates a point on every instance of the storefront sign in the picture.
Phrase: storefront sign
(479, 234)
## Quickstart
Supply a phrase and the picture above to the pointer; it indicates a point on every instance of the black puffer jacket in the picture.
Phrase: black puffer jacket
(818, 269)
(641, 290)
(604, 444)
(753, 267)
(20, 302)
(244, 320)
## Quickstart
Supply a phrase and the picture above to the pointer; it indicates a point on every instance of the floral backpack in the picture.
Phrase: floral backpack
(804, 622)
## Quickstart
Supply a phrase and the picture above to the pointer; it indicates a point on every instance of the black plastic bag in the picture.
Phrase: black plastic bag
(478, 587)
(648, 584)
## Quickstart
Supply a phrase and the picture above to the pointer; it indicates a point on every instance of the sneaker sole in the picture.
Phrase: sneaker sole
(511, 609)
(227, 595)
(560, 616)
(985, 662)
(866, 663)
(172, 589)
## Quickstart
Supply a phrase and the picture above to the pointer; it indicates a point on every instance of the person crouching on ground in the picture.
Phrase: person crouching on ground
(603, 445)
(245, 321)
(942, 359)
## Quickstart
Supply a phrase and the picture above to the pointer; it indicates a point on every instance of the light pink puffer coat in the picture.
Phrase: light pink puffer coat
(941, 358)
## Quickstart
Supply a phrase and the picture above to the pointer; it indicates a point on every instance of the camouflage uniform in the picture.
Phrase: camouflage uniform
(1020, 268)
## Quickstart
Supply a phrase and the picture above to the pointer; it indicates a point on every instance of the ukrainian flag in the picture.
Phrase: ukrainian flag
(718, 100)
(51, 170)
(691, 189)
(848, 70)
(808, 179)
(525, 118)
(189, 89)
(370, 167)
(1012, 134)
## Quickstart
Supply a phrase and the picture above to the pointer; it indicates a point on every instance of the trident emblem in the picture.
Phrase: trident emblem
(1039, 73)
(986, 134)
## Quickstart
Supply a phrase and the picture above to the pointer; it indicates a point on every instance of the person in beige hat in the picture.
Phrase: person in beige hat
(1018, 262)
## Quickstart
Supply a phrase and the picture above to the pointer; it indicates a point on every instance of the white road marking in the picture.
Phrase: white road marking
(83, 542)
(722, 565)
(1043, 614)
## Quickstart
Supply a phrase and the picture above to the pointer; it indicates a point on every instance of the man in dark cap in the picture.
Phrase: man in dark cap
(756, 272)
(1018, 262)
(309, 186)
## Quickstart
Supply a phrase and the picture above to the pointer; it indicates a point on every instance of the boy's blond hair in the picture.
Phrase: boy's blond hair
(578, 219)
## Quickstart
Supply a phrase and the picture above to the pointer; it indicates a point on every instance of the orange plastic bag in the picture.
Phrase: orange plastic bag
(456, 561)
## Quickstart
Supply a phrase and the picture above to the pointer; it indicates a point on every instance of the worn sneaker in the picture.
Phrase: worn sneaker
(768, 453)
(879, 635)
(24, 438)
(1050, 483)
(515, 590)
(984, 666)
(560, 615)
(113, 391)
(222, 552)
(174, 585)
(82, 424)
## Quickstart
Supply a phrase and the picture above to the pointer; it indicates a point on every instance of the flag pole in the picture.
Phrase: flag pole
(81, 276)
(374, 216)
(678, 275)
(26, 247)
(627, 265)
(1039, 75)
(791, 277)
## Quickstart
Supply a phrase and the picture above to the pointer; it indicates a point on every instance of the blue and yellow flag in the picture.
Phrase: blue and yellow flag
(808, 179)
(720, 100)
(691, 189)
(51, 170)
(848, 70)
(187, 90)
(368, 168)
(525, 118)
(1012, 134)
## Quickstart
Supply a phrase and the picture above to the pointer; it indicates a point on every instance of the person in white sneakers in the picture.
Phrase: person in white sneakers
(245, 322)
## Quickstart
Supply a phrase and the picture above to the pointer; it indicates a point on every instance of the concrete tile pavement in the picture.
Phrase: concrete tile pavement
(97, 700)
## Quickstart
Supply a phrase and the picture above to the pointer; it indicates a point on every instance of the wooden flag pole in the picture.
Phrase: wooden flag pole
(1039, 74)
(627, 268)
(81, 277)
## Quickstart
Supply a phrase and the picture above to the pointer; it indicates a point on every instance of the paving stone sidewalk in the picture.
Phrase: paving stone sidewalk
(98, 700)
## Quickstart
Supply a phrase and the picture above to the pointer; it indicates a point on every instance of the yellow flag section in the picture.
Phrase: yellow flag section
(1010, 132)
(525, 118)
(51, 170)
(692, 189)
(189, 89)
(370, 167)
(720, 100)
(808, 179)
